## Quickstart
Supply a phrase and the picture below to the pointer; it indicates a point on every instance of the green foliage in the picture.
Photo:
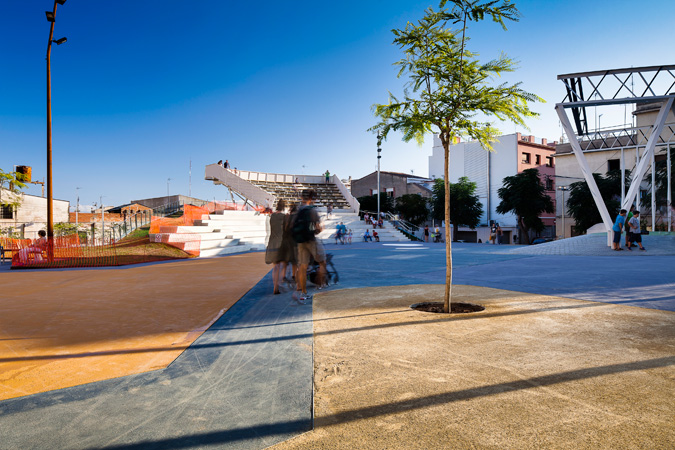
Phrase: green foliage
(413, 208)
(465, 206)
(10, 232)
(448, 88)
(525, 195)
(582, 207)
(661, 178)
(369, 203)
(64, 229)
(10, 183)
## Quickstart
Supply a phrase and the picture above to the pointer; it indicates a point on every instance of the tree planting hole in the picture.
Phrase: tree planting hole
(456, 308)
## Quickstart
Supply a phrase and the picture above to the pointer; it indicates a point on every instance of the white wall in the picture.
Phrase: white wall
(471, 160)
(33, 213)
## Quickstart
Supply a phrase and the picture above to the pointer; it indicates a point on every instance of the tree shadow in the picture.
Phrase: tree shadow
(282, 428)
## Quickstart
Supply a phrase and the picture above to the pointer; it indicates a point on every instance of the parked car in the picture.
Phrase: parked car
(541, 241)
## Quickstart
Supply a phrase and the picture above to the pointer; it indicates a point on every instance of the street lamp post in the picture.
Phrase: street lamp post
(379, 155)
(562, 189)
(51, 17)
(168, 181)
(77, 209)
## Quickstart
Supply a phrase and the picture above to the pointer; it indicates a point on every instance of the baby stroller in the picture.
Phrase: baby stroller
(332, 276)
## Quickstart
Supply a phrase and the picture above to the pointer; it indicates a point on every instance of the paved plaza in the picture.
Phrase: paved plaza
(248, 381)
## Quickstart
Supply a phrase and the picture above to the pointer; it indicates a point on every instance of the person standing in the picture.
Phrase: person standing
(327, 175)
(227, 164)
(493, 233)
(306, 226)
(499, 234)
(635, 232)
(617, 228)
(273, 254)
(426, 233)
(628, 231)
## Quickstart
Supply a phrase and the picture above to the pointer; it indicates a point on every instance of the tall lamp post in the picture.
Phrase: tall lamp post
(562, 189)
(379, 155)
(51, 17)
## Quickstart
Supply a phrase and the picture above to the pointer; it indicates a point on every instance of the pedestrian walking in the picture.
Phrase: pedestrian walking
(635, 232)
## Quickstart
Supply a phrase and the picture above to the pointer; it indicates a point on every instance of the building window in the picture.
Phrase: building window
(537, 160)
(526, 158)
(6, 212)
(549, 184)
(613, 164)
(549, 161)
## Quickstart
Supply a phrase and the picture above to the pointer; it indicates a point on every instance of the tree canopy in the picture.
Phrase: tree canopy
(369, 203)
(13, 183)
(465, 206)
(524, 195)
(581, 205)
(449, 92)
(413, 208)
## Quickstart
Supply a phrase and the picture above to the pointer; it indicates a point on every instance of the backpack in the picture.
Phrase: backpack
(303, 227)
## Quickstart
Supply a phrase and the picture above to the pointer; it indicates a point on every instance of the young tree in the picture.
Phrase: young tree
(525, 195)
(413, 208)
(12, 197)
(580, 203)
(448, 87)
(465, 205)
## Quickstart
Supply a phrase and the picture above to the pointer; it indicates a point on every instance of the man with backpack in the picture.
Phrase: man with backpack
(306, 226)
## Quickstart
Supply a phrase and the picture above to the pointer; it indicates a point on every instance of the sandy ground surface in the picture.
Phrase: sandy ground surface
(61, 328)
(529, 372)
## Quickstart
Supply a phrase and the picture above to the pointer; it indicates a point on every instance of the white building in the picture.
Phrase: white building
(31, 216)
(512, 154)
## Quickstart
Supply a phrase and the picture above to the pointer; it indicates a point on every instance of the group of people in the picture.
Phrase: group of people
(342, 235)
(630, 221)
(373, 220)
(225, 164)
(435, 235)
(293, 242)
(496, 234)
(367, 236)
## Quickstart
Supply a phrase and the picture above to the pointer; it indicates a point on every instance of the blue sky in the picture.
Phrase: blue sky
(143, 87)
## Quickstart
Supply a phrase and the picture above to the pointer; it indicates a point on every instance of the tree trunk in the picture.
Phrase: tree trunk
(448, 237)
(524, 232)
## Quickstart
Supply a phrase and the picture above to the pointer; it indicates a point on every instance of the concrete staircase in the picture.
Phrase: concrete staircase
(290, 193)
(218, 234)
(358, 226)
(229, 232)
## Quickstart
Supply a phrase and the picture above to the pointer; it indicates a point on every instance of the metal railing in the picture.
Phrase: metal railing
(140, 219)
(402, 225)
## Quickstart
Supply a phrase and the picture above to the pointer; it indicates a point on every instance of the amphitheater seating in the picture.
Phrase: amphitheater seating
(290, 192)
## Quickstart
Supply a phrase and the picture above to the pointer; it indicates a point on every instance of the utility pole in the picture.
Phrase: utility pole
(102, 222)
(379, 151)
(168, 182)
(77, 208)
(51, 17)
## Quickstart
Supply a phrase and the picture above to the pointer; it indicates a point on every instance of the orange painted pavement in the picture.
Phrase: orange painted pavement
(64, 328)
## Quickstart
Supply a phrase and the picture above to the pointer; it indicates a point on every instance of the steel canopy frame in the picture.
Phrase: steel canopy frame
(650, 88)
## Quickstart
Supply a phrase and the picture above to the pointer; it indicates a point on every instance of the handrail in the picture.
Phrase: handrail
(353, 202)
(240, 184)
(400, 224)
(142, 218)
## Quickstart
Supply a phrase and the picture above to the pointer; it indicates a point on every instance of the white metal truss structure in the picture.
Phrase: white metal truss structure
(654, 84)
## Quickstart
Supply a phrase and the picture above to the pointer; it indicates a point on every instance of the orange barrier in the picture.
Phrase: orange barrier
(67, 251)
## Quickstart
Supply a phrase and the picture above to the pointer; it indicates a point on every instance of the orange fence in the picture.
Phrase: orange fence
(67, 251)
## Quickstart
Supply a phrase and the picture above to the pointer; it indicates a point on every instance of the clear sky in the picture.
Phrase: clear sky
(143, 87)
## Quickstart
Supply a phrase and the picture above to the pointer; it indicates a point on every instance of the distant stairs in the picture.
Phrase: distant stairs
(351, 220)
